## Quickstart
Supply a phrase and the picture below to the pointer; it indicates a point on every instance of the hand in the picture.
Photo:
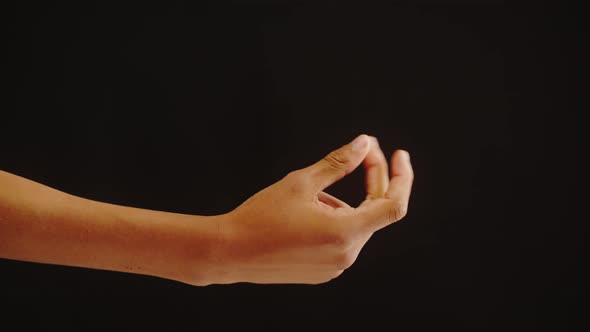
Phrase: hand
(294, 232)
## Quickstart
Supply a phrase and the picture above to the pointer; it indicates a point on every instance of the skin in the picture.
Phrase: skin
(290, 232)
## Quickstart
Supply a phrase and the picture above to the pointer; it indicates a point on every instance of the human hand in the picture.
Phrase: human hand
(294, 232)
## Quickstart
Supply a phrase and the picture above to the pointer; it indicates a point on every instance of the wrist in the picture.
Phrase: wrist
(198, 251)
(168, 245)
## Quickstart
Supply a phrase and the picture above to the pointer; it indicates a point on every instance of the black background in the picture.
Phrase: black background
(194, 107)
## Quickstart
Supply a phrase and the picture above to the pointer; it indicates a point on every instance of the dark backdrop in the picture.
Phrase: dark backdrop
(194, 107)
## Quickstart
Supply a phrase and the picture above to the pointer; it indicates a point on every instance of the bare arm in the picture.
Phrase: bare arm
(41, 224)
(290, 232)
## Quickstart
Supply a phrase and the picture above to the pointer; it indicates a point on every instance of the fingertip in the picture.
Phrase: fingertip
(340, 162)
(400, 154)
(394, 157)
(400, 162)
(360, 142)
(405, 155)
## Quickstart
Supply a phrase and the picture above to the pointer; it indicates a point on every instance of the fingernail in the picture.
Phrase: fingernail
(359, 142)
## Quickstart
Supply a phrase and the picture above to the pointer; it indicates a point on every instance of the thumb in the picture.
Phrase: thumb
(338, 163)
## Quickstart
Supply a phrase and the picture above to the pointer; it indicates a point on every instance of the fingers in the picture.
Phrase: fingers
(402, 177)
(338, 163)
(377, 177)
(332, 201)
(393, 206)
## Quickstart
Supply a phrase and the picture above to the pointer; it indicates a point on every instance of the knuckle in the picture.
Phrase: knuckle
(336, 159)
(344, 259)
(196, 281)
(315, 283)
(397, 211)
(293, 176)
(319, 281)
(327, 277)
(336, 274)
(338, 238)
(297, 180)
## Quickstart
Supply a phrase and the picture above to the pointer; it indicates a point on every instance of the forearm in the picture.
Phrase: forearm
(41, 224)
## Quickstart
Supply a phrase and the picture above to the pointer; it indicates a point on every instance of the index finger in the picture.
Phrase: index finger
(377, 177)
